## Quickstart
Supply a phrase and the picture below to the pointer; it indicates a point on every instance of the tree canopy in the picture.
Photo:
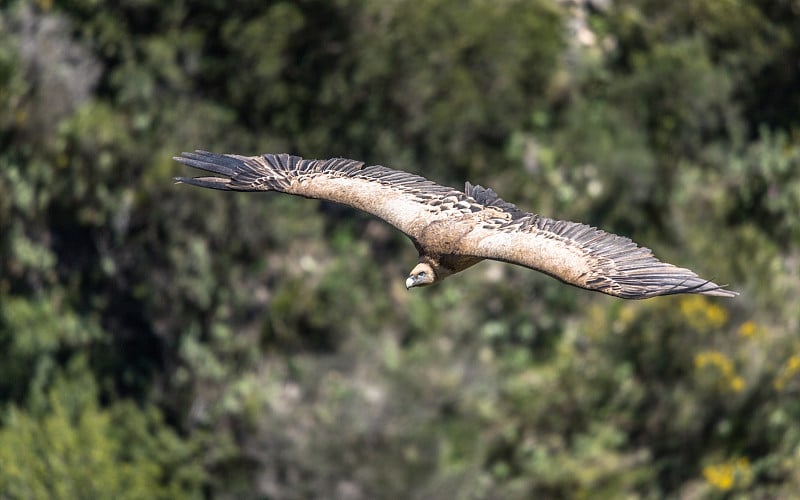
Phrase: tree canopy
(159, 341)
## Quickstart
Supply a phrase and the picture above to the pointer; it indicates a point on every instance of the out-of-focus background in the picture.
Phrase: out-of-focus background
(163, 341)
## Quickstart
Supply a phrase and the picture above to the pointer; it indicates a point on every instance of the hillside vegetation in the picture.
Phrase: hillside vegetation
(163, 341)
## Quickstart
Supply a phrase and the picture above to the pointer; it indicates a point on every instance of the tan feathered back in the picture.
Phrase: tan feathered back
(453, 229)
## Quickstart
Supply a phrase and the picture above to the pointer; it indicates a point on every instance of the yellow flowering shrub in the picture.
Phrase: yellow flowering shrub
(728, 378)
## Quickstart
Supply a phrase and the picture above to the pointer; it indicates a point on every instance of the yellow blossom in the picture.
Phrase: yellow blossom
(725, 475)
(723, 364)
(748, 329)
(789, 370)
(627, 315)
(702, 314)
(716, 315)
(714, 358)
(719, 476)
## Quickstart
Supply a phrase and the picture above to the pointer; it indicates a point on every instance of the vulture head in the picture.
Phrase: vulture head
(422, 275)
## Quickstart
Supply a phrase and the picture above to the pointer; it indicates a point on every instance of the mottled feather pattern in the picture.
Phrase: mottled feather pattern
(488, 198)
(455, 229)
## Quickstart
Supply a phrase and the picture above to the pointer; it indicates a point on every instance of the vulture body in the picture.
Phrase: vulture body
(452, 229)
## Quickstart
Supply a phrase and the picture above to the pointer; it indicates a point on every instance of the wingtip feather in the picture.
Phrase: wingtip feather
(721, 291)
(206, 182)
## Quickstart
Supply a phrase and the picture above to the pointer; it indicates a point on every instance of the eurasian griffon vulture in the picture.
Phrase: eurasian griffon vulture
(454, 230)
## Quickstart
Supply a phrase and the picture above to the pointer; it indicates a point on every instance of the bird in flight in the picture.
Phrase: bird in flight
(454, 230)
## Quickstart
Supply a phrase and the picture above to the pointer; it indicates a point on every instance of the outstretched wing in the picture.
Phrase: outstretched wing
(407, 201)
(577, 254)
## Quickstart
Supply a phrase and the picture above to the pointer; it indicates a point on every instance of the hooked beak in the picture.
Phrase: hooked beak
(410, 282)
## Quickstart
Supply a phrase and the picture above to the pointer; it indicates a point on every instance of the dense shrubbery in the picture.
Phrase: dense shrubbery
(161, 341)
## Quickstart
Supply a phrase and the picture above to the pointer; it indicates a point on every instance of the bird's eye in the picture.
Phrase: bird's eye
(421, 274)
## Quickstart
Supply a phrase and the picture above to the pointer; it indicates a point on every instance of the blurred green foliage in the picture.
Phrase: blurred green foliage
(158, 341)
